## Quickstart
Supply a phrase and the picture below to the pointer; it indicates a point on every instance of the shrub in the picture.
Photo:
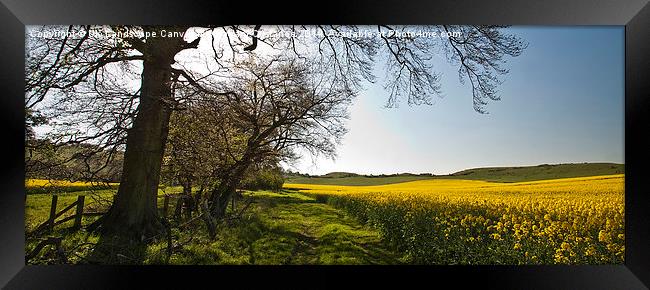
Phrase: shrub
(263, 180)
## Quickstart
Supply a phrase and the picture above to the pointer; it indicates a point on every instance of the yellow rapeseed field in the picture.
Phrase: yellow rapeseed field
(446, 221)
(60, 186)
(60, 183)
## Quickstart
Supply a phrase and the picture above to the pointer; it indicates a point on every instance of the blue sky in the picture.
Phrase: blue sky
(562, 102)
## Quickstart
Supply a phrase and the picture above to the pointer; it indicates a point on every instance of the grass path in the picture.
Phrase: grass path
(295, 229)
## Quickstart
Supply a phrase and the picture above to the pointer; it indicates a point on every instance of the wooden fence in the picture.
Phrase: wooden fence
(189, 205)
(48, 225)
(183, 206)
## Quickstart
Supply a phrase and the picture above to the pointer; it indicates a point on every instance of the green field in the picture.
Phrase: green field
(540, 172)
(355, 180)
(494, 174)
(278, 229)
(37, 205)
(285, 227)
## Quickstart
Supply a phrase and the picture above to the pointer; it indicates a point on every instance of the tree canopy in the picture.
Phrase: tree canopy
(211, 101)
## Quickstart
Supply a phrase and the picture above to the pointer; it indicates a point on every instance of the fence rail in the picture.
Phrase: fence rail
(48, 225)
(186, 206)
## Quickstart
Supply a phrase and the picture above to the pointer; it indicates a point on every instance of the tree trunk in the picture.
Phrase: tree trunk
(134, 212)
(188, 200)
(197, 197)
(207, 218)
(222, 194)
(226, 189)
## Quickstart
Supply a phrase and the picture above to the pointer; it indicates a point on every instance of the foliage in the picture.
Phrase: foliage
(339, 175)
(199, 144)
(266, 179)
(562, 221)
(48, 160)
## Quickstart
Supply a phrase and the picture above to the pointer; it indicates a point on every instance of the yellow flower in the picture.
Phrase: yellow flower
(565, 246)
(602, 236)
(559, 213)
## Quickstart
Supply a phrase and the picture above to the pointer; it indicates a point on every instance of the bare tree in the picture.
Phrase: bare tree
(124, 88)
(277, 105)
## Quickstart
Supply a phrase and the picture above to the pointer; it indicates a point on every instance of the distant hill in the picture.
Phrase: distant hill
(339, 175)
(495, 174)
(539, 172)
(356, 180)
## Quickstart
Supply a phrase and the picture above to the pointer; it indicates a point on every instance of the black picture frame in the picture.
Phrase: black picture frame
(634, 15)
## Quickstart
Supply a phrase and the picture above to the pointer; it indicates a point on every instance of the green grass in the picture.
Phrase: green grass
(540, 172)
(278, 228)
(286, 228)
(495, 174)
(356, 180)
(37, 205)
(37, 211)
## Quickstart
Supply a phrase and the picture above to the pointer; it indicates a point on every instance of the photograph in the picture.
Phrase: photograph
(325, 145)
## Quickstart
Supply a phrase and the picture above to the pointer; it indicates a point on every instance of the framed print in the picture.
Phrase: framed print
(498, 144)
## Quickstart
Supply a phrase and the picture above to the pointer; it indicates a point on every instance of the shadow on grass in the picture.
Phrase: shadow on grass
(279, 228)
(117, 251)
(296, 229)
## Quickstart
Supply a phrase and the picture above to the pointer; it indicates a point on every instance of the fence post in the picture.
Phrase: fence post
(179, 207)
(79, 212)
(187, 204)
(165, 206)
(50, 225)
